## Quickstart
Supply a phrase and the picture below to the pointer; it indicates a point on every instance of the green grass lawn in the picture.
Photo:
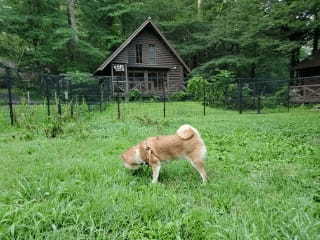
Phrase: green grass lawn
(264, 176)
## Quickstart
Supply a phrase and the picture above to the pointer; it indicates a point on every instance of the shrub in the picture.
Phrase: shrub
(221, 89)
(179, 96)
(196, 87)
(78, 77)
(134, 95)
(153, 98)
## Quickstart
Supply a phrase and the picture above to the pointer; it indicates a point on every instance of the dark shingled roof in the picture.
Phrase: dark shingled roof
(310, 62)
(132, 36)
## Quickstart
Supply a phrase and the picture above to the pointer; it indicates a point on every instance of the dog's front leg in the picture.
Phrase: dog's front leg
(155, 172)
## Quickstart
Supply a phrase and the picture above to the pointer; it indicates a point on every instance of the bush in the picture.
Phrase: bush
(179, 96)
(220, 89)
(78, 77)
(196, 87)
(279, 98)
(134, 95)
(282, 96)
(154, 98)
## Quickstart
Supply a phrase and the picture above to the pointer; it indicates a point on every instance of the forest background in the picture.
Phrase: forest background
(250, 38)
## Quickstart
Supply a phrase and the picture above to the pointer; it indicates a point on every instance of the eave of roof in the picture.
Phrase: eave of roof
(313, 61)
(131, 37)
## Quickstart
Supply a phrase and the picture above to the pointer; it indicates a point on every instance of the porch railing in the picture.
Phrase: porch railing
(314, 80)
(305, 93)
(119, 87)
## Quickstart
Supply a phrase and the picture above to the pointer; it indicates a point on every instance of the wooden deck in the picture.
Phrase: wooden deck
(305, 93)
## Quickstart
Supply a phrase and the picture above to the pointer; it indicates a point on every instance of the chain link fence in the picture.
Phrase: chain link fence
(71, 95)
(262, 95)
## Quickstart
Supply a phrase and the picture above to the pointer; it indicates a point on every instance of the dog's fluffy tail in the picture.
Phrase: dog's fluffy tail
(186, 132)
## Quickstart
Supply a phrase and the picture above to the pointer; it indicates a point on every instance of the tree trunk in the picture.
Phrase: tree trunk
(199, 10)
(294, 59)
(316, 36)
(253, 76)
(73, 25)
(72, 19)
(253, 71)
(194, 61)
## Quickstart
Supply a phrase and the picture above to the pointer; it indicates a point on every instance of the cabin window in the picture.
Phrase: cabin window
(136, 80)
(152, 54)
(139, 53)
(156, 80)
(136, 76)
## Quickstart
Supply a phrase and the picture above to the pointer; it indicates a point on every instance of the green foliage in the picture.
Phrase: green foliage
(154, 98)
(180, 96)
(53, 127)
(246, 37)
(78, 77)
(280, 98)
(26, 117)
(134, 95)
(147, 121)
(196, 87)
(221, 88)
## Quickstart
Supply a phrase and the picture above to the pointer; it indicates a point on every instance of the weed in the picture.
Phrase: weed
(53, 127)
(147, 121)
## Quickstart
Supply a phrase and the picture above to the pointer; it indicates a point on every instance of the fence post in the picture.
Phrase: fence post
(28, 97)
(101, 85)
(59, 99)
(47, 95)
(288, 95)
(9, 86)
(76, 105)
(255, 93)
(204, 100)
(71, 97)
(240, 95)
(164, 98)
(118, 98)
(259, 103)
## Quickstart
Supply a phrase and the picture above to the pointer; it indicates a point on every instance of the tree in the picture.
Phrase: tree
(74, 41)
(245, 36)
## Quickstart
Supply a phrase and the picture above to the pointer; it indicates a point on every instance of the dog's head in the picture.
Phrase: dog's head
(131, 158)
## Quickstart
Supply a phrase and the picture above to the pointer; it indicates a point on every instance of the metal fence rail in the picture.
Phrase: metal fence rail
(61, 93)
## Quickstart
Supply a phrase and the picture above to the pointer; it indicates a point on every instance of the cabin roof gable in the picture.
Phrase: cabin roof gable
(135, 34)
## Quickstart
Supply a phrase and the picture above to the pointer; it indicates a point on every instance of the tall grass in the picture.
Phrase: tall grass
(264, 180)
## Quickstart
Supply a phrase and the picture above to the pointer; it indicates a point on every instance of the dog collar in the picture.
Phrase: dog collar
(149, 153)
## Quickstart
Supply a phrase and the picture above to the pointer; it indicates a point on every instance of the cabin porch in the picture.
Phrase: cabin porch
(147, 81)
(306, 90)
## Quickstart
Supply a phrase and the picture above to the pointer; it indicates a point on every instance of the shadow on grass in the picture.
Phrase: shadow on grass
(177, 175)
(143, 171)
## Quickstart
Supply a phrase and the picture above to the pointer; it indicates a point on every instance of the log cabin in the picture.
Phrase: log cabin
(147, 62)
(306, 88)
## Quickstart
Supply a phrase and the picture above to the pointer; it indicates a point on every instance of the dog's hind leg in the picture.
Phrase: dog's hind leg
(197, 163)
(155, 172)
(200, 168)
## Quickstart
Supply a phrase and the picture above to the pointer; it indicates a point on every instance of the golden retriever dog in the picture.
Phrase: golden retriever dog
(186, 143)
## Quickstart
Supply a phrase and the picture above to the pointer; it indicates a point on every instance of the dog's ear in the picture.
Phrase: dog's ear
(186, 133)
